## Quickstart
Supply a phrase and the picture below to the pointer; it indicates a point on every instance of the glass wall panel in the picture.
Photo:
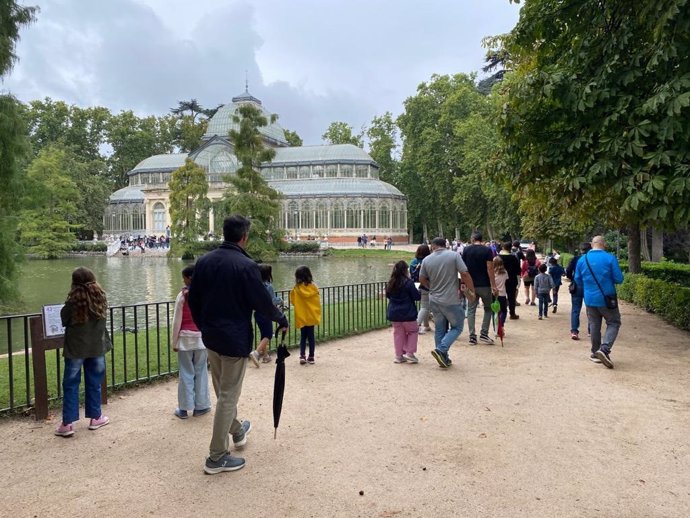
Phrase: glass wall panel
(369, 214)
(292, 173)
(331, 171)
(352, 215)
(307, 214)
(293, 216)
(385, 216)
(321, 216)
(317, 171)
(158, 217)
(337, 215)
(362, 171)
(346, 170)
(304, 171)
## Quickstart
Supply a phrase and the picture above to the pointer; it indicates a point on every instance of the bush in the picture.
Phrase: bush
(665, 271)
(303, 247)
(90, 246)
(668, 300)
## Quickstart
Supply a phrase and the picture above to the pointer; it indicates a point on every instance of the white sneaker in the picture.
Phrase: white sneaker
(422, 331)
(254, 357)
(410, 358)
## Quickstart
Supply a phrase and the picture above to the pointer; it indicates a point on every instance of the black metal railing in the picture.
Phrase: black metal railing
(141, 341)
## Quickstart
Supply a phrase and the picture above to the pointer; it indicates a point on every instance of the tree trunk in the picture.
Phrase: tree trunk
(425, 233)
(644, 246)
(634, 242)
(440, 228)
(657, 245)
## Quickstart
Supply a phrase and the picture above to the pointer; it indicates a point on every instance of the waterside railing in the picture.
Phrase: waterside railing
(142, 351)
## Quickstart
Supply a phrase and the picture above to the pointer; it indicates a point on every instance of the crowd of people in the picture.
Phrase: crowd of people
(363, 241)
(212, 321)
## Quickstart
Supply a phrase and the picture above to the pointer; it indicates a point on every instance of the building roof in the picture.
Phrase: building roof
(222, 122)
(167, 162)
(127, 194)
(313, 187)
(340, 153)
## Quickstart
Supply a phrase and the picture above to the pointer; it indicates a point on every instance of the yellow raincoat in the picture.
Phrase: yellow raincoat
(307, 303)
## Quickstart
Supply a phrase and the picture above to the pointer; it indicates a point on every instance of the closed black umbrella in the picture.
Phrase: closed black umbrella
(279, 383)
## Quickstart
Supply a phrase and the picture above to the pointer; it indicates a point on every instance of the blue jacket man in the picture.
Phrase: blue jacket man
(597, 262)
(226, 288)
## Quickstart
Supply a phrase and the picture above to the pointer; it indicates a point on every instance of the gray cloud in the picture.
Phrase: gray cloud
(311, 62)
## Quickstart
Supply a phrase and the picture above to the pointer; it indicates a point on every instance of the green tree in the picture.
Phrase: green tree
(341, 133)
(50, 201)
(188, 197)
(13, 149)
(383, 145)
(293, 138)
(192, 124)
(597, 106)
(12, 17)
(248, 193)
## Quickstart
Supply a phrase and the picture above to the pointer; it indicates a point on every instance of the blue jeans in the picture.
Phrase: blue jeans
(575, 312)
(543, 304)
(307, 335)
(613, 324)
(94, 370)
(447, 316)
(192, 386)
(483, 293)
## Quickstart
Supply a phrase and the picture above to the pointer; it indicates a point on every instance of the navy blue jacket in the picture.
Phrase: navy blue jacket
(401, 304)
(226, 287)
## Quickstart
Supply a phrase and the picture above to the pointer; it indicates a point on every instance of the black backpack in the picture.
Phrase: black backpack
(414, 272)
(532, 270)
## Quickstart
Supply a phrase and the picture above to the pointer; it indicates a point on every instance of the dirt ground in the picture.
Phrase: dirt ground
(530, 429)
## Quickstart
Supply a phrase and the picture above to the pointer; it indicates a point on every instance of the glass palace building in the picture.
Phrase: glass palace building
(328, 192)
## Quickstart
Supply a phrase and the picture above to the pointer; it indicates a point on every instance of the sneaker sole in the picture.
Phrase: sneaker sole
(244, 439)
(602, 357)
(486, 341)
(410, 360)
(199, 413)
(439, 359)
(215, 471)
(65, 434)
(594, 360)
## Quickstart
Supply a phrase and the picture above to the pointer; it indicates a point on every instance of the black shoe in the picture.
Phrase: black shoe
(473, 339)
(555, 307)
(604, 358)
(440, 358)
(514, 317)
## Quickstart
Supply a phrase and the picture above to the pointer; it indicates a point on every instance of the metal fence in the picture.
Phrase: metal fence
(141, 341)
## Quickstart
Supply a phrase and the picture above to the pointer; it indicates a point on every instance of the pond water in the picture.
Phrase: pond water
(133, 279)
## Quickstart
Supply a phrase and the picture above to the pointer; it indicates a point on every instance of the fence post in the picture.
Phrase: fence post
(39, 345)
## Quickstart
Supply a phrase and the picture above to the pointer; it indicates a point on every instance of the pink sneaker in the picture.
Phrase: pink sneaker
(95, 424)
(65, 430)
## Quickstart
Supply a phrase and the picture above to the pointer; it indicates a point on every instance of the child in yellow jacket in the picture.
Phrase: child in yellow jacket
(304, 297)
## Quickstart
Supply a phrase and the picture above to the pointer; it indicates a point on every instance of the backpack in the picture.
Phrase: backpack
(532, 270)
(414, 272)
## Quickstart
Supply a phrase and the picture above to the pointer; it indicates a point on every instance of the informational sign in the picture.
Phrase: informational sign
(52, 323)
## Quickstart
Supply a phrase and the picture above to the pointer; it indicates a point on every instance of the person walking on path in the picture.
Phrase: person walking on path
(227, 288)
(86, 342)
(577, 293)
(402, 312)
(192, 357)
(305, 298)
(439, 274)
(529, 270)
(512, 265)
(556, 272)
(415, 267)
(598, 272)
(479, 261)
(501, 277)
(543, 284)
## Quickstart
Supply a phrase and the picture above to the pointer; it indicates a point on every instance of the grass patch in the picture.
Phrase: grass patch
(393, 255)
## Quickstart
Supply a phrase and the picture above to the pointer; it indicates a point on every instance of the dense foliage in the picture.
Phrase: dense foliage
(188, 191)
(666, 299)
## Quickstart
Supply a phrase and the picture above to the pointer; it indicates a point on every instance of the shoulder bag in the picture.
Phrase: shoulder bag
(611, 301)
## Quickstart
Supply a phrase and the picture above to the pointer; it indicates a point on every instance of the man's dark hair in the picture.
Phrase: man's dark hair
(507, 246)
(586, 246)
(439, 241)
(234, 227)
(476, 236)
(188, 271)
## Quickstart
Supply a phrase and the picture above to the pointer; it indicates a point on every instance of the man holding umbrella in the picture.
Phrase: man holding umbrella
(226, 289)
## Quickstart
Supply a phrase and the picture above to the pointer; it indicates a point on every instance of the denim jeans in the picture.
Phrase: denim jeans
(613, 324)
(307, 335)
(192, 386)
(94, 370)
(483, 293)
(447, 316)
(543, 304)
(575, 312)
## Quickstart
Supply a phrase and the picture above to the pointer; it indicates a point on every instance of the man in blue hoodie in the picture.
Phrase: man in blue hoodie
(598, 273)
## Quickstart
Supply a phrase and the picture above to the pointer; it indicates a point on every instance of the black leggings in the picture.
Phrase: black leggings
(307, 333)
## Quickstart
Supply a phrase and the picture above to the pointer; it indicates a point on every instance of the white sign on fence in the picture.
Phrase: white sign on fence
(52, 323)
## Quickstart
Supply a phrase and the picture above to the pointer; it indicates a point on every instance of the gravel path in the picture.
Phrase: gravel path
(529, 429)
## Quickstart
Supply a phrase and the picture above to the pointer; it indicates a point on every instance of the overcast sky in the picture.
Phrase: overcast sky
(311, 62)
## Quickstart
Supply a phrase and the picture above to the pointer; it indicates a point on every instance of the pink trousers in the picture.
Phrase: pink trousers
(405, 336)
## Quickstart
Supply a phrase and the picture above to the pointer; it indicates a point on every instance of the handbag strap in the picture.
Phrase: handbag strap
(595, 277)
